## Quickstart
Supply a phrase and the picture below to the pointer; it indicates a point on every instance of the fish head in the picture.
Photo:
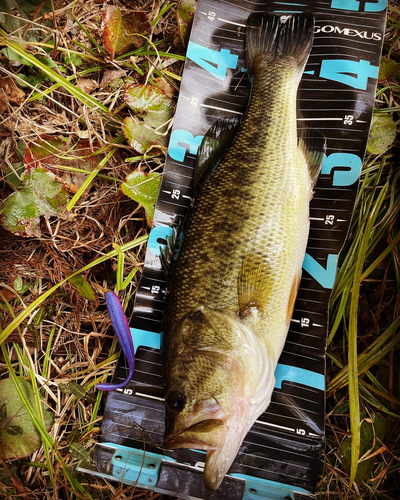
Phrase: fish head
(213, 376)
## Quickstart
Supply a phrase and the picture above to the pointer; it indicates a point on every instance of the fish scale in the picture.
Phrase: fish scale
(244, 205)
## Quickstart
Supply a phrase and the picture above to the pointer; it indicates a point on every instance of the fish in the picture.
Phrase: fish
(235, 282)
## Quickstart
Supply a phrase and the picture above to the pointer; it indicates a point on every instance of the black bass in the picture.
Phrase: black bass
(236, 279)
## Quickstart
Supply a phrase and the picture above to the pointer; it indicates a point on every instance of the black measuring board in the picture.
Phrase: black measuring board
(336, 96)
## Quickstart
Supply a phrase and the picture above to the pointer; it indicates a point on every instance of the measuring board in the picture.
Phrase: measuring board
(280, 456)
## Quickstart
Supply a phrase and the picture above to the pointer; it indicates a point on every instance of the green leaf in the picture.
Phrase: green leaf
(72, 388)
(33, 80)
(73, 58)
(143, 188)
(382, 134)
(38, 195)
(13, 174)
(121, 30)
(79, 452)
(14, 56)
(388, 68)
(152, 110)
(184, 17)
(18, 434)
(20, 150)
(19, 285)
(24, 10)
(82, 286)
(369, 431)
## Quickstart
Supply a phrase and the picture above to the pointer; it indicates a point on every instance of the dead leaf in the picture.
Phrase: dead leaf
(110, 75)
(10, 93)
(86, 84)
(7, 294)
(122, 31)
(165, 86)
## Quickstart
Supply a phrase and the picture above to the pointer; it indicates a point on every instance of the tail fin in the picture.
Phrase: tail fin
(270, 37)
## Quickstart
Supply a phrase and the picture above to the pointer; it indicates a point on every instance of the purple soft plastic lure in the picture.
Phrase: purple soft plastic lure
(121, 328)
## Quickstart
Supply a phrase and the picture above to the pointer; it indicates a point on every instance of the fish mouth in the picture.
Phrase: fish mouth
(205, 435)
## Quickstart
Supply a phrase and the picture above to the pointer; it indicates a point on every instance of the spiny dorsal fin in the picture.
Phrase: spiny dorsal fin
(169, 252)
(254, 287)
(312, 143)
(215, 143)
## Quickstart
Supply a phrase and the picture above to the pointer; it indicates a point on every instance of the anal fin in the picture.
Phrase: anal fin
(292, 297)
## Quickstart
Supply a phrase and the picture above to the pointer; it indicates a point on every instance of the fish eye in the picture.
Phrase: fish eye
(176, 401)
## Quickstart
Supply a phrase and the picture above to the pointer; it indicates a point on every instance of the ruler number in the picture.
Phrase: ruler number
(302, 432)
(193, 101)
(216, 62)
(211, 15)
(348, 119)
(305, 322)
(350, 162)
(175, 194)
(329, 220)
(324, 275)
(355, 74)
(374, 6)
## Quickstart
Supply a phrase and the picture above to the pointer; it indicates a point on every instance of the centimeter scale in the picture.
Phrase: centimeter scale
(279, 458)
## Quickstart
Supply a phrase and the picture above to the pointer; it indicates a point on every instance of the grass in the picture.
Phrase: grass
(62, 342)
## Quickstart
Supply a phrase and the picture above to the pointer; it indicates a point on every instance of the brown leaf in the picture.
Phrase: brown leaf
(10, 93)
(110, 75)
(165, 86)
(87, 85)
(7, 294)
(121, 31)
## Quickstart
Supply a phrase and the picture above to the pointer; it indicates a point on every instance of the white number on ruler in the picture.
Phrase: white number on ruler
(329, 220)
(175, 194)
(302, 432)
(155, 289)
(305, 322)
(211, 15)
(348, 119)
(193, 101)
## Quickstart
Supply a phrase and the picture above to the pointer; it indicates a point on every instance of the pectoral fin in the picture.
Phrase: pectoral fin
(312, 143)
(254, 284)
(215, 143)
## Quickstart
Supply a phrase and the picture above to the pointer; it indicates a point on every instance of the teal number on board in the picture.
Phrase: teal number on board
(214, 61)
(374, 6)
(324, 276)
(342, 177)
(179, 137)
(352, 73)
(157, 236)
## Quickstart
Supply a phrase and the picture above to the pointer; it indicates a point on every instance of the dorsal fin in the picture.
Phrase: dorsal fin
(215, 143)
(170, 252)
(312, 143)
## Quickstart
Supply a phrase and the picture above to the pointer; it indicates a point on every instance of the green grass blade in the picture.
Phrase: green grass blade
(93, 174)
(36, 303)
